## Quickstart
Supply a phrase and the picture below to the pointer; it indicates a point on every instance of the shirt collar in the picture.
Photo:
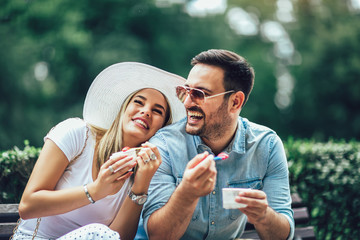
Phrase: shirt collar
(238, 142)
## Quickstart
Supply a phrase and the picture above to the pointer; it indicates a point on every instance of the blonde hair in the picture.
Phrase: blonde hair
(109, 141)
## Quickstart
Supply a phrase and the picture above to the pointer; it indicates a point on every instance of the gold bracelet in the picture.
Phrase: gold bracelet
(88, 194)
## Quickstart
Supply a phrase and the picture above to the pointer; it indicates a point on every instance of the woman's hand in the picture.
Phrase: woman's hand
(112, 176)
(148, 160)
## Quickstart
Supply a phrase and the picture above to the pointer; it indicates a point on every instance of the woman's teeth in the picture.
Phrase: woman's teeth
(142, 123)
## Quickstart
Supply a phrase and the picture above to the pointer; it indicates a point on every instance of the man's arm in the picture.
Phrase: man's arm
(172, 220)
(268, 223)
(274, 226)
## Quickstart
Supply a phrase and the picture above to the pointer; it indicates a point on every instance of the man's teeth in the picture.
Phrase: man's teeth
(194, 114)
(142, 123)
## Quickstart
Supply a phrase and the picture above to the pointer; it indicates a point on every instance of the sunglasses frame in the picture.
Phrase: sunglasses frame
(197, 100)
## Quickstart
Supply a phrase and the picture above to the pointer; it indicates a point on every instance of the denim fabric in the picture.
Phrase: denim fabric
(256, 160)
(140, 233)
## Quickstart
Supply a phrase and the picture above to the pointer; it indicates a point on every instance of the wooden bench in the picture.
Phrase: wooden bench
(9, 215)
(301, 217)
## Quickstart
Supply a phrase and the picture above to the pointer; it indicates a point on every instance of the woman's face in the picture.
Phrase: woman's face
(145, 114)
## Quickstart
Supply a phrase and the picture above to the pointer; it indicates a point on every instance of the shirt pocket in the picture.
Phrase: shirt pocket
(253, 183)
(196, 213)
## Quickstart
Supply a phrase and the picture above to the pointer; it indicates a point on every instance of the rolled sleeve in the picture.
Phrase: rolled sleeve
(292, 226)
(276, 182)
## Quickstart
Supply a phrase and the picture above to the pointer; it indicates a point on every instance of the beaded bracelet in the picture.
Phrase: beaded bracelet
(88, 194)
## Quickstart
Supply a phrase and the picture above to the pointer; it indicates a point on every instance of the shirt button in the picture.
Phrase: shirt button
(212, 223)
(213, 192)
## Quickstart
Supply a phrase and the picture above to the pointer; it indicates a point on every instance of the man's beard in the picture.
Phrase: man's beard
(213, 130)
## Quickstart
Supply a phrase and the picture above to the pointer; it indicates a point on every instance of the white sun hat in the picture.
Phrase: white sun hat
(115, 83)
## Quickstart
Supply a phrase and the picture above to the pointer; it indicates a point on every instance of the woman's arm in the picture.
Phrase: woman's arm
(127, 219)
(40, 199)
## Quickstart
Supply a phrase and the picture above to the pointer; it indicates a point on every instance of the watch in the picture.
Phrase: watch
(138, 199)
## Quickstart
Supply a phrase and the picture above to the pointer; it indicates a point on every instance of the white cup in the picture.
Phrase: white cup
(229, 195)
(131, 152)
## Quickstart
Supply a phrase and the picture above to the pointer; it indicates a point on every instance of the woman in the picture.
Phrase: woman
(82, 176)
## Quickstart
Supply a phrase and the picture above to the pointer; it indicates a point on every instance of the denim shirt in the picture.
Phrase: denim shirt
(256, 160)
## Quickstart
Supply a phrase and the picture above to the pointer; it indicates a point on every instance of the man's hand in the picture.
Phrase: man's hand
(268, 223)
(199, 177)
(257, 205)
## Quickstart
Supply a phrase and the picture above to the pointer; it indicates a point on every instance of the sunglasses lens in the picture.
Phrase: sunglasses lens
(197, 96)
(181, 93)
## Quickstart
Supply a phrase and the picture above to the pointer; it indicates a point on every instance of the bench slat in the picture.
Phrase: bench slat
(9, 213)
(301, 215)
(296, 201)
(6, 230)
(9, 208)
(306, 233)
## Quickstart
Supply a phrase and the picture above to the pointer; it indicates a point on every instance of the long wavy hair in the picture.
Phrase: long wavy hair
(109, 141)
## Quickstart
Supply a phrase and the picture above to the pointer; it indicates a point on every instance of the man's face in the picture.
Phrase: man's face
(210, 119)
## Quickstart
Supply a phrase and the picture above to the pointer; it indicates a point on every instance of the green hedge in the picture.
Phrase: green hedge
(326, 176)
(15, 169)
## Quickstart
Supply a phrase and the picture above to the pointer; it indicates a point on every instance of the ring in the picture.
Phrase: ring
(153, 156)
(147, 160)
(211, 180)
(111, 169)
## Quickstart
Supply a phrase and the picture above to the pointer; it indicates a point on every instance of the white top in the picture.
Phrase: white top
(70, 136)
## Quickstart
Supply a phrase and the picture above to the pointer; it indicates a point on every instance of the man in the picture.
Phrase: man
(185, 195)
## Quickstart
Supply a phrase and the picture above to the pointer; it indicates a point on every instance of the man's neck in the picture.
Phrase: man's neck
(219, 144)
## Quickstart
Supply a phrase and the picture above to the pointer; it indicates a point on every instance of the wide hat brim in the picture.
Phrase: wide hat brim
(115, 83)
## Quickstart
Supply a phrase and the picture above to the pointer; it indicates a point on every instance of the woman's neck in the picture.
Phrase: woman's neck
(131, 142)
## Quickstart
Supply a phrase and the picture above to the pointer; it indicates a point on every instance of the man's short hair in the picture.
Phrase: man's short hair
(238, 73)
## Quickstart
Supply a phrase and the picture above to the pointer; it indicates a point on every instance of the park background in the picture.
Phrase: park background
(307, 85)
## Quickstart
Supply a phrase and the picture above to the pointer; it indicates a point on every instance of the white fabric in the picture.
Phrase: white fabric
(94, 231)
(70, 136)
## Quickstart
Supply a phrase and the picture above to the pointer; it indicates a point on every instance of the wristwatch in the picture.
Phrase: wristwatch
(138, 199)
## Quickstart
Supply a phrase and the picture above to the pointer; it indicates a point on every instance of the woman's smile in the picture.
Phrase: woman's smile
(141, 123)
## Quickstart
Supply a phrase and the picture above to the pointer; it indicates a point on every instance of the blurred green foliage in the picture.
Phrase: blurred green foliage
(327, 97)
(327, 177)
(50, 52)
